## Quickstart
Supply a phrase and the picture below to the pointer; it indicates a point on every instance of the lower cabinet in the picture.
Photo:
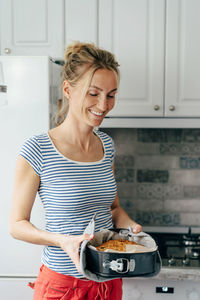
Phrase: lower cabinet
(153, 289)
(16, 288)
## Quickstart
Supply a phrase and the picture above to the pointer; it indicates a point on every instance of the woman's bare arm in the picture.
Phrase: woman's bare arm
(26, 185)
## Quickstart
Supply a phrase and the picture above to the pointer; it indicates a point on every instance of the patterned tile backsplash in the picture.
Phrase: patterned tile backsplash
(158, 174)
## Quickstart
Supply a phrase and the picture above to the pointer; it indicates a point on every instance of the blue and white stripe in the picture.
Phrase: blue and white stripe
(71, 192)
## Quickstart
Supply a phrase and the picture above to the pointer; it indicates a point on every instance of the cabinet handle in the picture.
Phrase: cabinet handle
(156, 107)
(7, 50)
(172, 107)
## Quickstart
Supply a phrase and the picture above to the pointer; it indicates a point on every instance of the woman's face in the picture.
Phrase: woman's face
(99, 99)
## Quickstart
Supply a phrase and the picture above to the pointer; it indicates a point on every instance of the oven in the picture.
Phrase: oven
(179, 248)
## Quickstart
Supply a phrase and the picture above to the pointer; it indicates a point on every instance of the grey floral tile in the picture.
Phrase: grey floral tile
(159, 191)
(156, 162)
(182, 205)
(191, 135)
(124, 161)
(127, 204)
(152, 149)
(149, 191)
(159, 135)
(126, 190)
(147, 204)
(173, 191)
(124, 168)
(190, 219)
(158, 218)
(184, 176)
(189, 162)
(124, 175)
(172, 149)
(124, 139)
(191, 192)
(152, 176)
(180, 149)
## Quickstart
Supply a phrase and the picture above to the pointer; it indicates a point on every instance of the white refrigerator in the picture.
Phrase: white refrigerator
(30, 88)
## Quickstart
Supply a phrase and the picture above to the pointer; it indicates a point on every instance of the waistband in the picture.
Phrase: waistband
(70, 281)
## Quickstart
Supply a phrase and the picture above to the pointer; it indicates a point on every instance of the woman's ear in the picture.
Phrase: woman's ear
(66, 89)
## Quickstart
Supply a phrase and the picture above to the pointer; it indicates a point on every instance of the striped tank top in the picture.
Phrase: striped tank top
(71, 192)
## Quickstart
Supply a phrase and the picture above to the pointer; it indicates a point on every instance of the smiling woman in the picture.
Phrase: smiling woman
(71, 167)
(97, 99)
(82, 62)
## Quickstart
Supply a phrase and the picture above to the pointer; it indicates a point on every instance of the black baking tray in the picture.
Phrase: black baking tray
(115, 265)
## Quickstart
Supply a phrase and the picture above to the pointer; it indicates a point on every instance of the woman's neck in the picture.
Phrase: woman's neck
(77, 133)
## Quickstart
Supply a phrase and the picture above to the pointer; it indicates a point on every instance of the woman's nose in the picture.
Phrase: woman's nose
(102, 103)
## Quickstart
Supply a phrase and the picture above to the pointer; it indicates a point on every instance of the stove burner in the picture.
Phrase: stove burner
(186, 261)
(196, 253)
(178, 250)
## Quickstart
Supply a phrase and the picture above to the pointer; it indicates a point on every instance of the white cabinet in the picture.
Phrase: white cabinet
(182, 91)
(16, 288)
(81, 21)
(134, 31)
(32, 27)
(155, 41)
(157, 45)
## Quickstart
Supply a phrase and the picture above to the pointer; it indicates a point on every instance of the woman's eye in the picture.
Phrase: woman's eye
(109, 96)
(94, 95)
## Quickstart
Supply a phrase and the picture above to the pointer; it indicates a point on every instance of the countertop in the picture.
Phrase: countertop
(168, 273)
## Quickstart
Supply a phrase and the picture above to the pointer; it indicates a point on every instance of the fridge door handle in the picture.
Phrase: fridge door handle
(3, 88)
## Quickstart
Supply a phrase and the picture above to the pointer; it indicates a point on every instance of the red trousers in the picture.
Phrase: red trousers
(51, 285)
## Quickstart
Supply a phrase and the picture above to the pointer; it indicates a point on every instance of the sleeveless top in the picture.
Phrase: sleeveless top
(71, 192)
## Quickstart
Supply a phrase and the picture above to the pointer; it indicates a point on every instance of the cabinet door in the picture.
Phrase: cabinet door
(81, 21)
(32, 27)
(182, 58)
(134, 31)
(16, 288)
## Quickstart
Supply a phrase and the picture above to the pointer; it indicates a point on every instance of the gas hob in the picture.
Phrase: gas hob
(178, 247)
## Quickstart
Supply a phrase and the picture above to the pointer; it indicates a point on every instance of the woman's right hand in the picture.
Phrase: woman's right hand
(71, 244)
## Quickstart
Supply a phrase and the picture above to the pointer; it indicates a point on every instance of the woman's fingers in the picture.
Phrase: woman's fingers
(137, 228)
(82, 238)
(71, 246)
(86, 237)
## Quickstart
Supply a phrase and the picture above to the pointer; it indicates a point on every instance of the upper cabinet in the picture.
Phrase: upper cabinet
(182, 76)
(134, 31)
(32, 27)
(157, 45)
(81, 21)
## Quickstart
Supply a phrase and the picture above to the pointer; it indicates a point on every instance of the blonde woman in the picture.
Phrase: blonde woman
(71, 167)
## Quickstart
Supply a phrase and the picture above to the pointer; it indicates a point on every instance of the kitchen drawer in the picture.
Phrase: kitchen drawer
(16, 288)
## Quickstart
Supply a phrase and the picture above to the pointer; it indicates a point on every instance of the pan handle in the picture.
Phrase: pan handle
(120, 265)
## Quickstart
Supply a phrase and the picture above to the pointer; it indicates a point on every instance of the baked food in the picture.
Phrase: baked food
(121, 245)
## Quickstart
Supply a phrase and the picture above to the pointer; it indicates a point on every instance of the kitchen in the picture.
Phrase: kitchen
(155, 124)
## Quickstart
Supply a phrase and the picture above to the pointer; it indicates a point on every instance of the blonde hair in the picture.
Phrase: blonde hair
(79, 59)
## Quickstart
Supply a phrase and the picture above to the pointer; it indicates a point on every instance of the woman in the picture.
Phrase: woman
(71, 167)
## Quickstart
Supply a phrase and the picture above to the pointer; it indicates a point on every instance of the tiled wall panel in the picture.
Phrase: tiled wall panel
(158, 174)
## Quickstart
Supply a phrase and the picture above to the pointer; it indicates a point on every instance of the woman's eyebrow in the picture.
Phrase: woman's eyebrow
(98, 88)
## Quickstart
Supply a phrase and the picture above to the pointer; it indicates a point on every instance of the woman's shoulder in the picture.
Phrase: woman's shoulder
(35, 143)
(32, 151)
(108, 144)
(104, 136)
(38, 138)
